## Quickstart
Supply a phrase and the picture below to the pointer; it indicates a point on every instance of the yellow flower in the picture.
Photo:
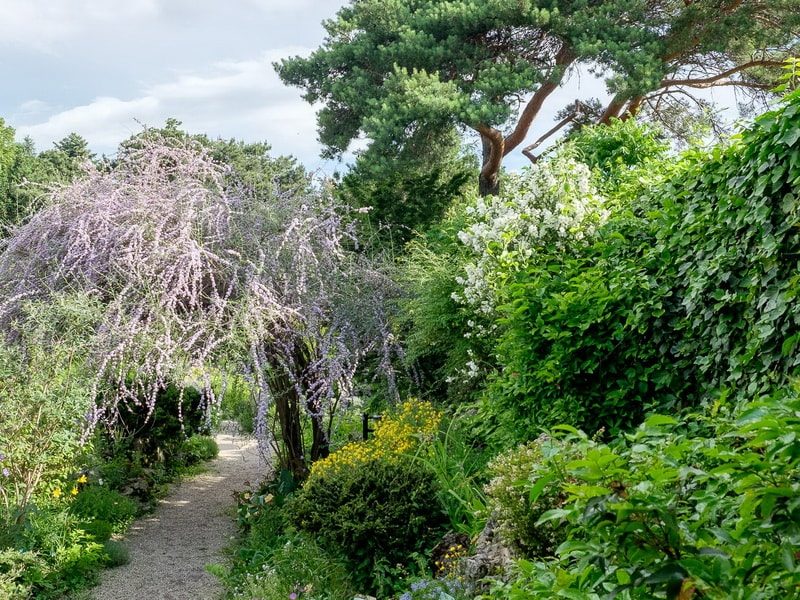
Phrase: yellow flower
(57, 493)
(82, 479)
(74, 491)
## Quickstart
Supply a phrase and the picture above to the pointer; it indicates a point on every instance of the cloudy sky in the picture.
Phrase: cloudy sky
(103, 67)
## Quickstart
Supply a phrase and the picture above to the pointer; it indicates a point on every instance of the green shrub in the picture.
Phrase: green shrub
(44, 392)
(619, 152)
(526, 483)
(272, 561)
(18, 571)
(406, 190)
(67, 558)
(690, 289)
(238, 403)
(252, 504)
(700, 507)
(116, 554)
(433, 323)
(116, 471)
(297, 565)
(155, 440)
(459, 468)
(104, 504)
(582, 342)
(377, 514)
(98, 529)
(199, 448)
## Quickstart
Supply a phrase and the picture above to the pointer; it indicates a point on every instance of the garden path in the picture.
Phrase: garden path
(170, 548)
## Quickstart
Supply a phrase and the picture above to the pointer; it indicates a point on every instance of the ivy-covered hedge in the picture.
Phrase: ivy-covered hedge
(690, 292)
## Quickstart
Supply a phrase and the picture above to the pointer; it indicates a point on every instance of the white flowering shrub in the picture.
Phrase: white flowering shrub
(546, 208)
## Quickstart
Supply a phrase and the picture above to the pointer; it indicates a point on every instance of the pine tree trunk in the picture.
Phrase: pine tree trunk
(488, 184)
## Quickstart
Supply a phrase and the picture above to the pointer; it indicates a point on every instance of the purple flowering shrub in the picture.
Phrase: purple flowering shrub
(192, 272)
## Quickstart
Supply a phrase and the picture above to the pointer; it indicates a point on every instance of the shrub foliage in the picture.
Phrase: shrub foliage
(690, 289)
(701, 507)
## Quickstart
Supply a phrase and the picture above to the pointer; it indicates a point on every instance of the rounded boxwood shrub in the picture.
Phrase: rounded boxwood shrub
(377, 513)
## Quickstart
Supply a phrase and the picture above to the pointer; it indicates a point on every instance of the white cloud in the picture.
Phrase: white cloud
(41, 23)
(33, 107)
(277, 6)
(104, 122)
(243, 99)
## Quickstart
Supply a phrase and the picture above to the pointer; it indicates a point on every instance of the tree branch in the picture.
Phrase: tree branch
(724, 75)
(577, 111)
(612, 110)
(633, 107)
(564, 58)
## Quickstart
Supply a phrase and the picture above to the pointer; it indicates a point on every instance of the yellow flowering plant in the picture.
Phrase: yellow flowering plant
(375, 503)
(398, 434)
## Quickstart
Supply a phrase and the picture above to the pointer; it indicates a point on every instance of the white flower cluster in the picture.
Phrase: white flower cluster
(550, 206)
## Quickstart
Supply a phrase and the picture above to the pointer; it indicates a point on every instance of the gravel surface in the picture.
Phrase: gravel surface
(170, 548)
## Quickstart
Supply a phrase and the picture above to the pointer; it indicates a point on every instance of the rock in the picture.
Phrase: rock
(491, 557)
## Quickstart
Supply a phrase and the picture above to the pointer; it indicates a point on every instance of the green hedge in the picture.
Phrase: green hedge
(378, 515)
(690, 290)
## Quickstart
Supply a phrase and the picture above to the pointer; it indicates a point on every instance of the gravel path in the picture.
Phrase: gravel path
(170, 548)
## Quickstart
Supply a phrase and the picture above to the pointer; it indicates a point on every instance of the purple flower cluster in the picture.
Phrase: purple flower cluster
(192, 270)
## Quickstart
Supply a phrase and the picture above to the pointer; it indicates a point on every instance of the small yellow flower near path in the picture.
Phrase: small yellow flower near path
(74, 491)
(57, 493)
(82, 479)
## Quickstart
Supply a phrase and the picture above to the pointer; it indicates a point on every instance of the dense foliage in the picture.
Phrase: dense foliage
(26, 175)
(688, 290)
(372, 502)
(405, 191)
(606, 349)
(377, 515)
(705, 506)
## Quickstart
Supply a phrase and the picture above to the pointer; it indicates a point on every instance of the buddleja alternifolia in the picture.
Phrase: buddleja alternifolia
(192, 272)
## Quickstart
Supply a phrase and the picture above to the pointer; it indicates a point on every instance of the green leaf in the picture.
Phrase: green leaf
(537, 488)
(790, 137)
(659, 421)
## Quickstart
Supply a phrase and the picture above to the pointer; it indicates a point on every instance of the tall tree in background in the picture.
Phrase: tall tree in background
(390, 69)
(26, 175)
(252, 163)
(408, 188)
